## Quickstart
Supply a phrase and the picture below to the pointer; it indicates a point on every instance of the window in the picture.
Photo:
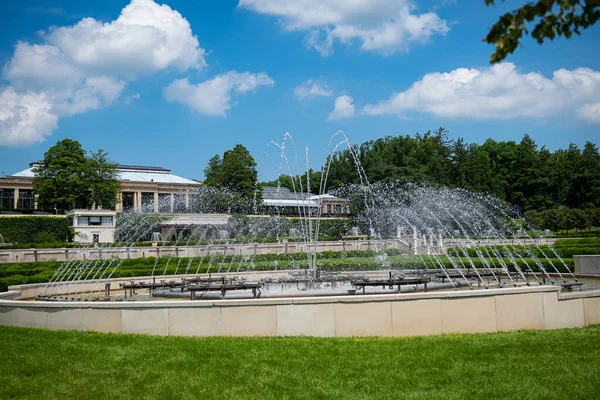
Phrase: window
(95, 221)
(164, 202)
(26, 200)
(147, 202)
(194, 202)
(7, 198)
(127, 198)
(179, 202)
(84, 221)
(337, 209)
(107, 221)
(95, 237)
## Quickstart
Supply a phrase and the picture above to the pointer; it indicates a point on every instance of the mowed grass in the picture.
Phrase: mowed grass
(42, 364)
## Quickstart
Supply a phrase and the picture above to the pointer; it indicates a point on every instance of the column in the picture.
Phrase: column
(187, 199)
(156, 201)
(35, 201)
(172, 197)
(119, 205)
(138, 201)
(16, 198)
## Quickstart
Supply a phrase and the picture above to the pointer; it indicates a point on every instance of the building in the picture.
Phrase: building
(282, 201)
(93, 226)
(148, 189)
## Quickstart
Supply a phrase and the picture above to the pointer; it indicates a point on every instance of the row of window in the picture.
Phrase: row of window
(164, 201)
(95, 221)
(26, 199)
(336, 209)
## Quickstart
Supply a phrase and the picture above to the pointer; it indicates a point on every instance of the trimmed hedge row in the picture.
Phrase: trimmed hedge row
(578, 242)
(36, 229)
(21, 273)
(527, 251)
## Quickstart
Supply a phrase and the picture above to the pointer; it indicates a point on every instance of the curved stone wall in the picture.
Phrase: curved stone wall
(493, 310)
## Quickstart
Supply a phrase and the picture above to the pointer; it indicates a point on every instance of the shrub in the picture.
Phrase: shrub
(35, 229)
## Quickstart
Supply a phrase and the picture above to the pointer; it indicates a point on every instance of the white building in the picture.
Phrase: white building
(93, 226)
(151, 189)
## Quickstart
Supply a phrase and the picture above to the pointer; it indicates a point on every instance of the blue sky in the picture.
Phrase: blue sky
(174, 85)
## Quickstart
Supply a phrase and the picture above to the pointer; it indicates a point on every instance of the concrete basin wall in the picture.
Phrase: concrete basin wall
(103, 253)
(493, 310)
(588, 264)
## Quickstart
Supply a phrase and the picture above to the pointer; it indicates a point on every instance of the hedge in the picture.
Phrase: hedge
(329, 228)
(21, 273)
(36, 229)
(587, 242)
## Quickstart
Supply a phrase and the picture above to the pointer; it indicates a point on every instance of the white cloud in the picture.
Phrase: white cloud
(25, 119)
(87, 66)
(497, 92)
(146, 37)
(385, 26)
(343, 108)
(311, 89)
(214, 96)
(590, 113)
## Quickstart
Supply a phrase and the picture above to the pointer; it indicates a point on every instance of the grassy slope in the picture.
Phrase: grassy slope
(39, 364)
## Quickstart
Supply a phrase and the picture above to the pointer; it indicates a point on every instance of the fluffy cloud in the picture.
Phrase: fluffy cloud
(87, 66)
(214, 96)
(385, 26)
(343, 108)
(498, 92)
(25, 119)
(590, 113)
(311, 89)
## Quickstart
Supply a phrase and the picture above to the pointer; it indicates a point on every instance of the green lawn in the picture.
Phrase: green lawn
(40, 364)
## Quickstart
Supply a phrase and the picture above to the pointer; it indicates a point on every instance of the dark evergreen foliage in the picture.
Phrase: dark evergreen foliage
(527, 176)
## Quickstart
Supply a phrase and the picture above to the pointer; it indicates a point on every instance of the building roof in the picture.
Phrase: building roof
(186, 220)
(130, 173)
(282, 193)
(289, 203)
(272, 195)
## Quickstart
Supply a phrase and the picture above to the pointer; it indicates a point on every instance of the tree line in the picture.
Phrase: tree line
(524, 174)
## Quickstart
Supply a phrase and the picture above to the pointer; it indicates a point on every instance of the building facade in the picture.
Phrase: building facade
(93, 226)
(280, 200)
(143, 188)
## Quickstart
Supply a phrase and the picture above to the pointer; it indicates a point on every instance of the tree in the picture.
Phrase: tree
(103, 184)
(212, 171)
(556, 17)
(60, 178)
(66, 178)
(236, 171)
(310, 182)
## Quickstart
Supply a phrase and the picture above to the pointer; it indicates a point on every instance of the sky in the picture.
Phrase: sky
(171, 83)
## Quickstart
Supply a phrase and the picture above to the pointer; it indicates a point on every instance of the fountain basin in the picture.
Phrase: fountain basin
(396, 314)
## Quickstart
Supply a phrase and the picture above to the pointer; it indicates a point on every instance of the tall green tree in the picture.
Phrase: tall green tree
(213, 171)
(236, 171)
(60, 179)
(103, 184)
(66, 178)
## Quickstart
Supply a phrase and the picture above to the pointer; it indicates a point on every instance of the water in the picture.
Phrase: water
(450, 236)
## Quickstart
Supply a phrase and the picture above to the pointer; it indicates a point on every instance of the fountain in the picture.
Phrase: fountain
(156, 237)
(420, 239)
